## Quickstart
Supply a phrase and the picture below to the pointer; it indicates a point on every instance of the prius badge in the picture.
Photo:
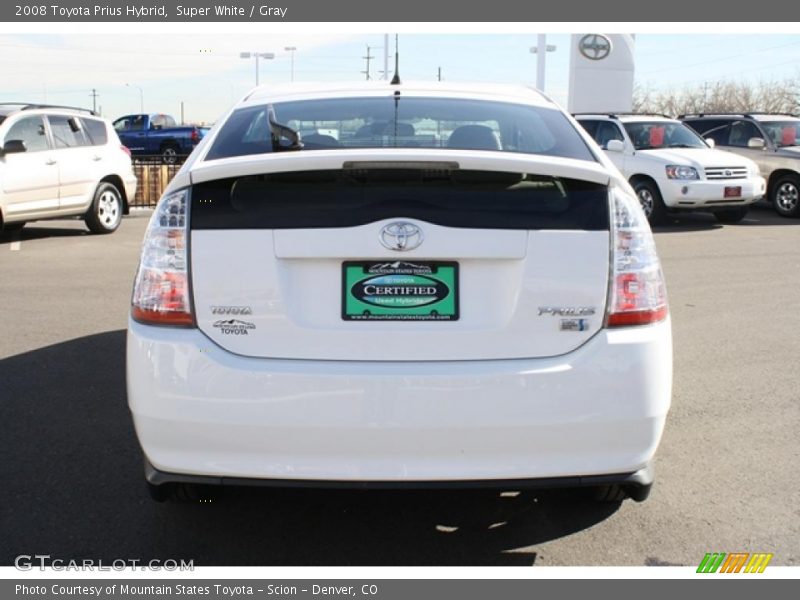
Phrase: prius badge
(400, 236)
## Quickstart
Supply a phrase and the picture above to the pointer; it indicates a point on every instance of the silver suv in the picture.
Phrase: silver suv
(60, 162)
(771, 140)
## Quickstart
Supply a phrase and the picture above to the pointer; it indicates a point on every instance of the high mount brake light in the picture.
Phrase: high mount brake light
(637, 294)
(161, 288)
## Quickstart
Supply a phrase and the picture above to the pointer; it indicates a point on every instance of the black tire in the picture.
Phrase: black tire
(160, 493)
(785, 196)
(651, 201)
(13, 226)
(609, 493)
(184, 493)
(169, 153)
(731, 215)
(616, 493)
(105, 214)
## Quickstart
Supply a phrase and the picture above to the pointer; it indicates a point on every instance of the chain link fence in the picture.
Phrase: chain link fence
(153, 174)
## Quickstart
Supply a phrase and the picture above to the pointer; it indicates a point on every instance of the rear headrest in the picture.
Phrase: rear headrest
(473, 137)
(403, 129)
(378, 128)
(318, 139)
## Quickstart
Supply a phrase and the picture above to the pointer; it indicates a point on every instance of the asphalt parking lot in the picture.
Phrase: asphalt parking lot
(726, 469)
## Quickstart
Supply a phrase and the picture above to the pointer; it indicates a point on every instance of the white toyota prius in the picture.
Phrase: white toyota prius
(399, 285)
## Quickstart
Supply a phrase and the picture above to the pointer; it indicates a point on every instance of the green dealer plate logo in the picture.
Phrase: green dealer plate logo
(399, 291)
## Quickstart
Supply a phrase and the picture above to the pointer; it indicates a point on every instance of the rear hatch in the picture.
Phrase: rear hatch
(470, 257)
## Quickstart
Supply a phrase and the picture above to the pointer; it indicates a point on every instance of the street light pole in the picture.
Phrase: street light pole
(541, 49)
(141, 96)
(257, 55)
(292, 50)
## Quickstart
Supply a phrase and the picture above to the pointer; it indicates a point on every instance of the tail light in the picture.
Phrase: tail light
(195, 136)
(637, 294)
(126, 150)
(161, 288)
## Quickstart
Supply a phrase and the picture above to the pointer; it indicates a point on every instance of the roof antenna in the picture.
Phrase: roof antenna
(396, 78)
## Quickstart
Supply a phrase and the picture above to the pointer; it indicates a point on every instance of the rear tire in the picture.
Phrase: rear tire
(616, 493)
(159, 493)
(651, 201)
(184, 493)
(13, 226)
(785, 196)
(169, 153)
(731, 215)
(105, 214)
(609, 493)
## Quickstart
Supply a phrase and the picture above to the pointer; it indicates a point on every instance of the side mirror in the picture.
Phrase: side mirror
(757, 143)
(615, 146)
(711, 143)
(14, 147)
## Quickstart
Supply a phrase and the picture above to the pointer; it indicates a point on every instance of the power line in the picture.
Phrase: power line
(716, 60)
(727, 76)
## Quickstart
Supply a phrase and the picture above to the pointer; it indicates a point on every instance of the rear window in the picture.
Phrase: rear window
(67, 132)
(783, 133)
(401, 122)
(441, 195)
(96, 131)
(161, 122)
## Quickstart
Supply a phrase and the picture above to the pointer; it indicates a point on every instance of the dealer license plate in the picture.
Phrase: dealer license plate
(733, 191)
(399, 291)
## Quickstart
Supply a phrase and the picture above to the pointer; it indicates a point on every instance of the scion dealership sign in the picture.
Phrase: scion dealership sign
(595, 46)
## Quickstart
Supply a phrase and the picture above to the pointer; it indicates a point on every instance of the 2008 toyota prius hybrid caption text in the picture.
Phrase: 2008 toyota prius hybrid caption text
(399, 285)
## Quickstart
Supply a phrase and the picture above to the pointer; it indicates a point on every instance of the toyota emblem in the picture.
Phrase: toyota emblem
(400, 236)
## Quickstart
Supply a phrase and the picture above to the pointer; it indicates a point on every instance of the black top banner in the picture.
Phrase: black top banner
(469, 11)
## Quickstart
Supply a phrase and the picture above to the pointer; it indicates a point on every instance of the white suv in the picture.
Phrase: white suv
(673, 169)
(456, 288)
(59, 162)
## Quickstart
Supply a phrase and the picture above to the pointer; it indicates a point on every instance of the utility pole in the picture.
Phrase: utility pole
(94, 96)
(291, 49)
(257, 55)
(541, 49)
(368, 58)
(385, 56)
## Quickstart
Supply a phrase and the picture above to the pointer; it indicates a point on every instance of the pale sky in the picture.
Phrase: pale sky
(207, 74)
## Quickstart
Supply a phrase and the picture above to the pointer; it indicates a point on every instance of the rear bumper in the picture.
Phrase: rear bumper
(202, 411)
(130, 183)
(711, 194)
(637, 484)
